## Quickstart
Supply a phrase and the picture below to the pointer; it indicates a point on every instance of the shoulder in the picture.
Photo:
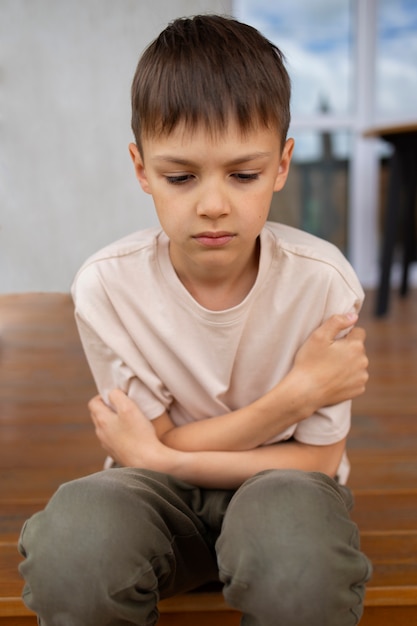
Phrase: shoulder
(310, 255)
(304, 244)
(118, 263)
(132, 244)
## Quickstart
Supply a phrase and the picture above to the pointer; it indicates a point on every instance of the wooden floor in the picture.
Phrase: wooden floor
(46, 438)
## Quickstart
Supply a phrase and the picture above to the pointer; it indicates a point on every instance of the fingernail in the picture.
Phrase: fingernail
(351, 316)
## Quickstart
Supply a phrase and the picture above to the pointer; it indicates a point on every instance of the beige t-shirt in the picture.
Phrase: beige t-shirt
(144, 333)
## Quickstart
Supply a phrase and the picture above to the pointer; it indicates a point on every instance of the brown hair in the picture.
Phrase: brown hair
(206, 69)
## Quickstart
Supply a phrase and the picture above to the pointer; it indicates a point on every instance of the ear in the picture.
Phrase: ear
(139, 166)
(284, 165)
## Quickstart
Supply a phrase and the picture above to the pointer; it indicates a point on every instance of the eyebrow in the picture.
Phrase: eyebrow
(244, 158)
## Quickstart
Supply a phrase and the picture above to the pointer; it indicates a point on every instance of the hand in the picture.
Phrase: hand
(335, 367)
(125, 433)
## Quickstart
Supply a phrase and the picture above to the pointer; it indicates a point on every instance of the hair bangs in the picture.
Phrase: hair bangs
(207, 71)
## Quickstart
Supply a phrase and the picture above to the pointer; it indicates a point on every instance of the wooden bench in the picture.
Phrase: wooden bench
(46, 439)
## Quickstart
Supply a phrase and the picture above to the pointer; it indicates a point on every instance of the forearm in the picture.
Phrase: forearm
(228, 470)
(326, 372)
(249, 427)
(130, 438)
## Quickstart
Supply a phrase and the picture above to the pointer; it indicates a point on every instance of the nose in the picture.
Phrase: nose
(213, 201)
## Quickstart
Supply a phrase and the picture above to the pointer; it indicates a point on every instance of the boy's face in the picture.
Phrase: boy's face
(212, 194)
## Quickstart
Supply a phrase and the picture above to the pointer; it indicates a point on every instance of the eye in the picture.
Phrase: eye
(180, 179)
(244, 177)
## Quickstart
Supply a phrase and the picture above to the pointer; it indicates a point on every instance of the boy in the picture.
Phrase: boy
(224, 395)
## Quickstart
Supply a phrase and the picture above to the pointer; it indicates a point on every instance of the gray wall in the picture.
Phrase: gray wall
(66, 182)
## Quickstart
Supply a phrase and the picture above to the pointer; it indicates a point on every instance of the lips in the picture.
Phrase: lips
(212, 239)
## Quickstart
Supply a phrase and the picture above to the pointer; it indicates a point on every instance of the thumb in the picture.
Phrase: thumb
(339, 325)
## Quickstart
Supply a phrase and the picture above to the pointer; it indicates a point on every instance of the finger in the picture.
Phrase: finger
(119, 399)
(95, 403)
(336, 324)
(122, 404)
(358, 333)
(100, 412)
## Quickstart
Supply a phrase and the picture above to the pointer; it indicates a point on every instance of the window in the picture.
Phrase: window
(316, 38)
(396, 59)
(315, 197)
(352, 64)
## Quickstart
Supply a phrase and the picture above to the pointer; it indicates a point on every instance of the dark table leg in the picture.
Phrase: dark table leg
(410, 194)
(390, 234)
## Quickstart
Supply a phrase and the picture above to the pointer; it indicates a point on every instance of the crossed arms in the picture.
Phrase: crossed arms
(224, 451)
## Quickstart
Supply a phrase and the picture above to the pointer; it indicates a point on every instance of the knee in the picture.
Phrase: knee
(103, 515)
(288, 539)
(86, 546)
(287, 503)
(84, 517)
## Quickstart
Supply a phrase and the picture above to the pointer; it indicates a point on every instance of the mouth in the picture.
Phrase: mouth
(211, 239)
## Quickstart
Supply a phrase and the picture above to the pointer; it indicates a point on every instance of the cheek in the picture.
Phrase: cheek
(169, 215)
(261, 204)
(254, 214)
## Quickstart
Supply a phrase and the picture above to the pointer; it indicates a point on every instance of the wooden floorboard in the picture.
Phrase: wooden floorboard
(47, 439)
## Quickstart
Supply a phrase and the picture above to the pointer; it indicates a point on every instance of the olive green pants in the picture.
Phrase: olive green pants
(108, 546)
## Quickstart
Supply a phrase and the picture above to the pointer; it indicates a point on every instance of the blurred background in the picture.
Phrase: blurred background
(66, 182)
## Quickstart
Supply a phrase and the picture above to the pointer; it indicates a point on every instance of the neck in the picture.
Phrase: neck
(220, 287)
